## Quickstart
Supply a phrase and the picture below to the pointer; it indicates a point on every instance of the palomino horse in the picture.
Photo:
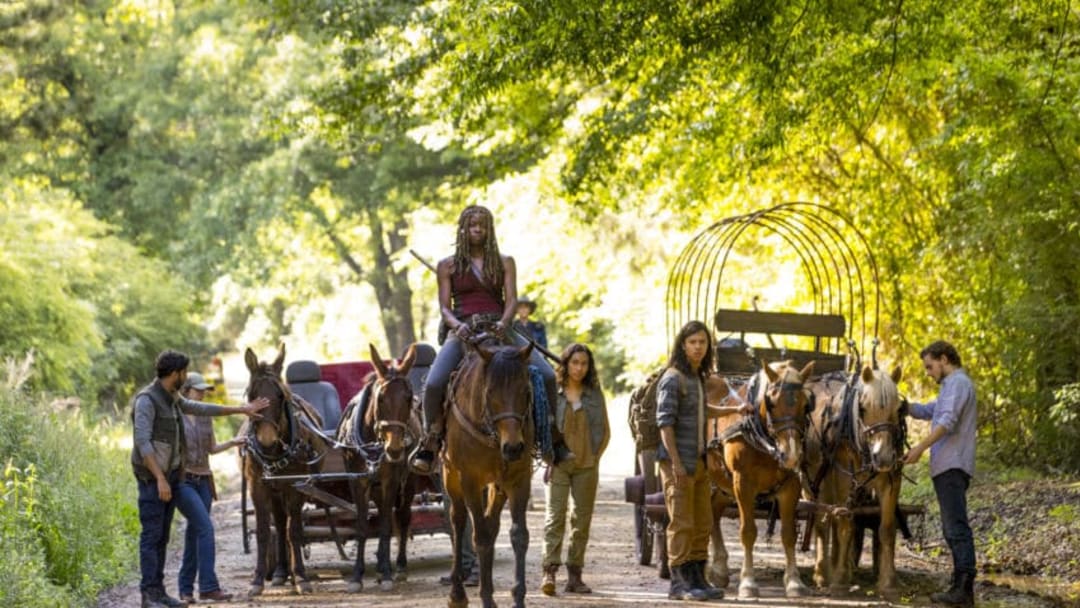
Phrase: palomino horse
(854, 452)
(284, 441)
(489, 437)
(381, 431)
(760, 456)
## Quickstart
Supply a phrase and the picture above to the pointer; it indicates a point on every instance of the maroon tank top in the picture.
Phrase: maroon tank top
(471, 297)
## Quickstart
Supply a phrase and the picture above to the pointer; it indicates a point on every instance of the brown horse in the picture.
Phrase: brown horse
(854, 452)
(760, 456)
(489, 436)
(284, 441)
(377, 436)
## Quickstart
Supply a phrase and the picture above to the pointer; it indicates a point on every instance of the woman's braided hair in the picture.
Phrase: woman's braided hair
(493, 265)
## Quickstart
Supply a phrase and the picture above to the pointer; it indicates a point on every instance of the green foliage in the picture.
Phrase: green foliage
(62, 488)
(89, 308)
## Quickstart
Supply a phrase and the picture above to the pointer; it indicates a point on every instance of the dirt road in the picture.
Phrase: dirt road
(610, 567)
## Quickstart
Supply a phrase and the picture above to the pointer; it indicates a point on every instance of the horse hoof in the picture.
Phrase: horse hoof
(889, 593)
(255, 590)
(750, 591)
(401, 576)
(718, 578)
(303, 588)
(796, 589)
(354, 587)
(277, 581)
(458, 604)
(386, 585)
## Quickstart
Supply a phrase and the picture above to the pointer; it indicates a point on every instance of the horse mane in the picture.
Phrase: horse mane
(504, 363)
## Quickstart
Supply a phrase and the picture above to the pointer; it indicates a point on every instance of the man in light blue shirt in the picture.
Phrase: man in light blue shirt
(952, 461)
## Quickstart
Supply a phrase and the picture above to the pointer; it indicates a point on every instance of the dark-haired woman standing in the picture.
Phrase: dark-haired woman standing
(581, 416)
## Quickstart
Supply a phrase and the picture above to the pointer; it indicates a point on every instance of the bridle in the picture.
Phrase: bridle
(273, 463)
(486, 433)
(381, 424)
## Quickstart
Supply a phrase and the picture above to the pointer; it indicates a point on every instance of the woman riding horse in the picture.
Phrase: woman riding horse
(476, 285)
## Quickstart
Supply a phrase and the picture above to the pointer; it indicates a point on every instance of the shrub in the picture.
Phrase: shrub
(68, 523)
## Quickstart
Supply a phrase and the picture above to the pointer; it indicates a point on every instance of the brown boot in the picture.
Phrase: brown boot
(547, 587)
(574, 584)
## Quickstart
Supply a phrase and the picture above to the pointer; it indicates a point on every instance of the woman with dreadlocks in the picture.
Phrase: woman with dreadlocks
(476, 285)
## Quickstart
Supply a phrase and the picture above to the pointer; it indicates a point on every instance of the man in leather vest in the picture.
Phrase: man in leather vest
(157, 461)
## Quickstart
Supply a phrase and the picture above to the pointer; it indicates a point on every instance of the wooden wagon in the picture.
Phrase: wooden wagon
(833, 256)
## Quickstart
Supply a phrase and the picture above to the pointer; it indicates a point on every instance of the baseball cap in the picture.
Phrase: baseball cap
(196, 380)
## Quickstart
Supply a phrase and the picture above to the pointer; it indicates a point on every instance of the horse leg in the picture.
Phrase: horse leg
(788, 498)
(301, 584)
(262, 535)
(718, 573)
(519, 538)
(486, 530)
(359, 490)
(404, 522)
(889, 494)
(745, 494)
(458, 513)
(822, 532)
(384, 517)
(281, 556)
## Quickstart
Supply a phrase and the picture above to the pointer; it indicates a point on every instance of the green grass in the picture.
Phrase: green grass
(68, 521)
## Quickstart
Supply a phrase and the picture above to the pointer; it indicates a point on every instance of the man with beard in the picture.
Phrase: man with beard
(157, 459)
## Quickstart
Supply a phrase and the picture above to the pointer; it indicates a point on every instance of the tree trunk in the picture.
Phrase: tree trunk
(391, 287)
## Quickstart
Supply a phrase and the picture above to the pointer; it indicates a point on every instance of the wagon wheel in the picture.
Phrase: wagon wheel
(644, 465)
(661, 549)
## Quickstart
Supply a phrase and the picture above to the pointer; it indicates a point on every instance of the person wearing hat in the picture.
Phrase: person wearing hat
(157, 460)
(196, 493)
(533, 329)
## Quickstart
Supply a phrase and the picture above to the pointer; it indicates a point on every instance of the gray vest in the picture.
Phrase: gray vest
(167, 434)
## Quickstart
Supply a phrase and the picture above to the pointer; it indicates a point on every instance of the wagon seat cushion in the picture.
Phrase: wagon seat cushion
(305, 379)
(425, 356)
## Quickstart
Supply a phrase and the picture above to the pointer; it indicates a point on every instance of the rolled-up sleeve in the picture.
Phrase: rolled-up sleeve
(198, 408)
(922, 411)
(144, 425)
(667, 401)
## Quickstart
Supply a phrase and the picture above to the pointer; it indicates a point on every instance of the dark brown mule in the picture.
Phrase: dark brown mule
(854, 451)
(486, 460)
(760, 455)
(282, 442)
(377, 437)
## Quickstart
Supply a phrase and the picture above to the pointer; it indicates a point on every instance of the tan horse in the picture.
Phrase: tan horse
(760, 456)
(283, 441)
(854, 452)
(489, 436)
(381, 431)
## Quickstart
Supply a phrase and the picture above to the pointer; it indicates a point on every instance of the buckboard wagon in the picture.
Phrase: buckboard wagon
(330, 515)
(829, 260)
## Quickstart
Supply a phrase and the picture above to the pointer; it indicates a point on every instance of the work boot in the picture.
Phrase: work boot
(148, 601)
(155, 598)
(423, 461)
(681, 588)
(547, 587)
(574, 584)
(960, 593)
(702, 582)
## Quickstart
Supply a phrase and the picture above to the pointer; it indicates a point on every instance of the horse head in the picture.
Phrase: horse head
(387, 417)
(880, 416)
(506, 395)
(265, 381)
(784, 406)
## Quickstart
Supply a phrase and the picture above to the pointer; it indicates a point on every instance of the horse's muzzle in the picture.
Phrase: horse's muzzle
(513, 451)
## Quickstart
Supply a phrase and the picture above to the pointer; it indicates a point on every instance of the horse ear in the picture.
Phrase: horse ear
(867, 374)
(280, 361)
(769, 371)
(807, 371)
(376, 360)
(407, 362)
(525, 352)
(896, 374)
(251, 360)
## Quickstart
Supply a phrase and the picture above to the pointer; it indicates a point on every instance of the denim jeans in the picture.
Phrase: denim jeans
(193, 500)
(451, 354)
(951, 488)
(155, 518)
